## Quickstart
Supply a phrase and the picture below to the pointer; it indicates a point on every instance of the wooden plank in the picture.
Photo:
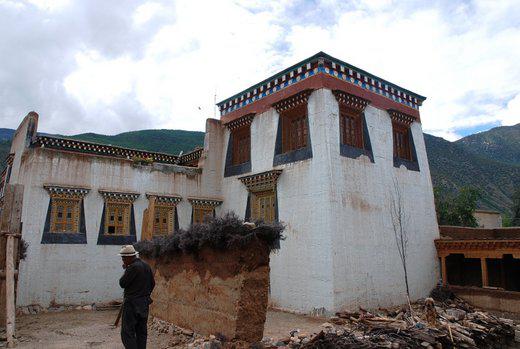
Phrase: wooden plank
(483, 265)
(444, 271)
(10, 227)
(9, 293)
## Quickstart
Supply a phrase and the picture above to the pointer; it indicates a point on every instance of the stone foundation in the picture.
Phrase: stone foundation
(214, 292)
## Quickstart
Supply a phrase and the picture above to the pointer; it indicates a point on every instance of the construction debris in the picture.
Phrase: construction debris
(442, 321)
(437, 322)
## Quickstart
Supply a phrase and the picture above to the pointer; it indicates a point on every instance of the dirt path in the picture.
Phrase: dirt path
(93, 329)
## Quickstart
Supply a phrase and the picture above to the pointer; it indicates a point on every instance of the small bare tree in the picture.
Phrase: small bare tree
(399, 224)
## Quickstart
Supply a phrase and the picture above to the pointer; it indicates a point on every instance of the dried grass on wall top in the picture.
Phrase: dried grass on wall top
(219, 233)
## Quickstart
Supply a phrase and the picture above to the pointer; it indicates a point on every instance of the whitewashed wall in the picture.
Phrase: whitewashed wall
(340, 250)
(88, 273)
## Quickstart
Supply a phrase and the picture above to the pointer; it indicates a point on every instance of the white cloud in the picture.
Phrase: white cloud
(146, 12)
(160, 63)
(98, 80)
(510, 115)
(49, 5)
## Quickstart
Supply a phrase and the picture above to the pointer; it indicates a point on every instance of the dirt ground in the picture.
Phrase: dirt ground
(93, 329)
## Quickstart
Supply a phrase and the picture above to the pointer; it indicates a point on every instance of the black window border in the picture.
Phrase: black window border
(235, 170)
(301, 154)
(49, 237)
(349, 151)
(412, 165)
(117, 239)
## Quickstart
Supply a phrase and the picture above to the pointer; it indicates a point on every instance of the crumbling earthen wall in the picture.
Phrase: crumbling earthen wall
(490, 299)
(214, 292)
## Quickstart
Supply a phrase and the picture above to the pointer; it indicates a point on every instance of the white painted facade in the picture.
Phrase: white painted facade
(89, 273)
(339, 252)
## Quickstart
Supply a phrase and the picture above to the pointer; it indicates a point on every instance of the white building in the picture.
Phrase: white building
(322, 146)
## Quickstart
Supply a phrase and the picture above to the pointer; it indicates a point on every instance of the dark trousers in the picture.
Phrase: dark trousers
(133, 327)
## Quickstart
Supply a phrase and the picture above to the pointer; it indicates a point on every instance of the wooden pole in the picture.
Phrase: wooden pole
(10, 229)
(444, 271)
(9, 291)
(483, 266)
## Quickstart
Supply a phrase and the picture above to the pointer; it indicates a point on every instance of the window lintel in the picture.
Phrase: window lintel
(205, 202)
(170, 199)
(242, 121)
(292, 101)
(118, 196)
(66, 191)
(400, 117)
(357, 104)
(261, 181)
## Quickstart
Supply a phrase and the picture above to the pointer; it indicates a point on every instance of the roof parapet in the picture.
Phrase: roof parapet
(321, 63)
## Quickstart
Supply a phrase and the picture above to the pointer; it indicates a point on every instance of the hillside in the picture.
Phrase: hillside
(488, 160)
(163, 141)
(499, 143)
(453, 166)
(6, 134)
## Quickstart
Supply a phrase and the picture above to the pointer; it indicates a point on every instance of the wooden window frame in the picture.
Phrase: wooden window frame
(121, 227)
(66, 206)
(263, 205)
(241, 145)
(163, 220)
(351, 127)
(401, 141)
(200, 212)
(295, 128)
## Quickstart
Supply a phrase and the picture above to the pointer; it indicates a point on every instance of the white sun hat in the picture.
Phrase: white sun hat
(128, 251)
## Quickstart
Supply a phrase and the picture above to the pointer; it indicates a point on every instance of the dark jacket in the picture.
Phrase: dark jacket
(137, 281)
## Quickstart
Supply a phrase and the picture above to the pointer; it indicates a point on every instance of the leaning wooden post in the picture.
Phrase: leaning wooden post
(10, 225)
(9, 291)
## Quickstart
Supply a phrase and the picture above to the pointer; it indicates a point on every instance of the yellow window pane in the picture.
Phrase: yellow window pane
(117, 218)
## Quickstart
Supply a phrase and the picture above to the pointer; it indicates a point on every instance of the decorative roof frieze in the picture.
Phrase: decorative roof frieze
(113, 151)
(350, 100)
(119, 196)
(191, 158)
(261, 181)
(401, 118)
(205, 202)
(245, 120)
(321, 63)
(293, 101)
(446, 246)
(9, 159)
(66, 191)
(165, 198)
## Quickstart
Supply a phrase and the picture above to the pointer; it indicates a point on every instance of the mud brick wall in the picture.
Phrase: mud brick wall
(464, 233)
(214, 292)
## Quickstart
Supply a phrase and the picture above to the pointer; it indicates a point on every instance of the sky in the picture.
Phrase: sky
(110, 66)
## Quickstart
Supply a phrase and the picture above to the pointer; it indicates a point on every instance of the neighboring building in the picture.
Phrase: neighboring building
(488, 219)
(322, 146)
(482, 265)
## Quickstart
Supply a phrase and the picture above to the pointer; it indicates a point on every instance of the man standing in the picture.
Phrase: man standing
(138, 283)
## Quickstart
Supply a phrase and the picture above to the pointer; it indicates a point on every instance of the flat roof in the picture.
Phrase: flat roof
(377, 84)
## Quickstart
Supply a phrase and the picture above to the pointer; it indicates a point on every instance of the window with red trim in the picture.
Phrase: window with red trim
(351, 127)
(241, 145)
(401, 135)
(295, 131)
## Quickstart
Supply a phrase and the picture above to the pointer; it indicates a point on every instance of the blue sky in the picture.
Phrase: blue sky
(105, 67)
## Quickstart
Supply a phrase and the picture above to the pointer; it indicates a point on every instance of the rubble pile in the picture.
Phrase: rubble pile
(443, 322)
